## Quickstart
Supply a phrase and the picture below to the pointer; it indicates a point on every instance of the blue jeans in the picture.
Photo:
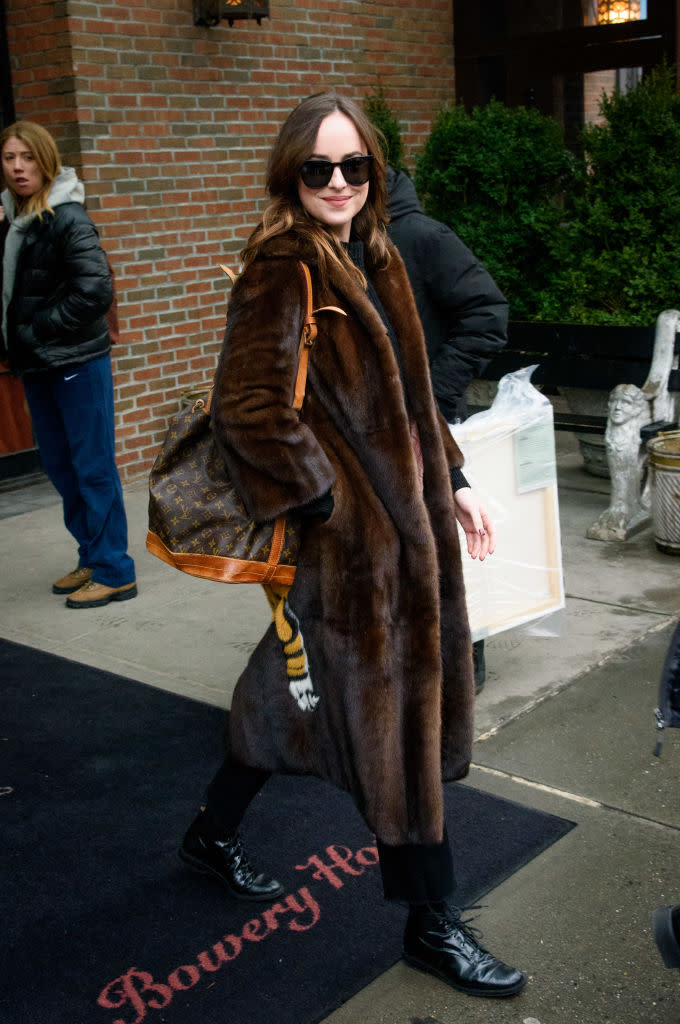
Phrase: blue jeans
(72, 413)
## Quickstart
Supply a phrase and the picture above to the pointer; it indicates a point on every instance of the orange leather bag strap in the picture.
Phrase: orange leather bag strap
(308, 337)
(228, 271)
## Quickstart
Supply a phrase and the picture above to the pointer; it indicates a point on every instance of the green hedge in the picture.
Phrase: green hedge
(621, 246)
(589, 238)
(378, 110)
(496, 177)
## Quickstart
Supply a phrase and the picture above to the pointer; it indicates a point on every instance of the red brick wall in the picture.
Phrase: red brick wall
(170, 126)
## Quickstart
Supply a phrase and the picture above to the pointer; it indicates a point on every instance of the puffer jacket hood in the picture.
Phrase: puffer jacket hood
(402, 197)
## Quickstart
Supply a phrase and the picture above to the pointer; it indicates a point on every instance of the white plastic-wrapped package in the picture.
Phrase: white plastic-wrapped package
(510, 462)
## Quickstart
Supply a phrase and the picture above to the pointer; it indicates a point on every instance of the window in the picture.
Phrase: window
(613, 12)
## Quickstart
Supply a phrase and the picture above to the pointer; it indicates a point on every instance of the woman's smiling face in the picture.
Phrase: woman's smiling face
(337, 203)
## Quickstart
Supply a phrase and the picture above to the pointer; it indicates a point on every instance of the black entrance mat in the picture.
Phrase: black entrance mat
(101, 924)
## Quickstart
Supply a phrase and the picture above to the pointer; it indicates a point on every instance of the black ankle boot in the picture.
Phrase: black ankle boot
(437, 941)
(666, 926)
(226, 860)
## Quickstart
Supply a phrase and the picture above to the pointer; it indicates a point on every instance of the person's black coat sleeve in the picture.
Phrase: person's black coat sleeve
(477, 313)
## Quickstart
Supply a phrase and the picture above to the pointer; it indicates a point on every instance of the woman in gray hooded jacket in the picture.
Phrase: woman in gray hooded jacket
(56, 291)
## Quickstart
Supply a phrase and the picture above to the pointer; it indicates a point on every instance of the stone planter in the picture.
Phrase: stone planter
(582, 401)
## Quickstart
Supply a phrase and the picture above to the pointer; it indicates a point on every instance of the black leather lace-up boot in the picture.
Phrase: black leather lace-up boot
(226, 860)
(666, 926)
(437, 941)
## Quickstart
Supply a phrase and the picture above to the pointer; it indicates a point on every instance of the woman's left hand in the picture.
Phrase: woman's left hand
(475, 520)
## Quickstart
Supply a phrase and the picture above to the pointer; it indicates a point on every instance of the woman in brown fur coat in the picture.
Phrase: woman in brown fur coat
(380, 700)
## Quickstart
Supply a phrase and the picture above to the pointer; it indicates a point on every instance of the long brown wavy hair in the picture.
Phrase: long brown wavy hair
(284, 212)
(44, 149)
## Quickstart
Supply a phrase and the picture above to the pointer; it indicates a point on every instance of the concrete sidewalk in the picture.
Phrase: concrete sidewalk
(564, 725)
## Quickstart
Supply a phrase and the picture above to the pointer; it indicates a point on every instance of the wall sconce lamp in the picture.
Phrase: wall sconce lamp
(208, 13)
(613, 12)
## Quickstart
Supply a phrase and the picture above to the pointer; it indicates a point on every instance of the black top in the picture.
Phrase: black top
(62, 291)
(355, 249)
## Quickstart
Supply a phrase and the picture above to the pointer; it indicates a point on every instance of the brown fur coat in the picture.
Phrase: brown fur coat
(378, 590)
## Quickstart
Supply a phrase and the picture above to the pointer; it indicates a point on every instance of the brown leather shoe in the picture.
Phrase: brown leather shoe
(72, 581)
(94, 595)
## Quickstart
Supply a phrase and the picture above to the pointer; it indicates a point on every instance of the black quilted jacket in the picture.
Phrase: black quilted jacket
(62, 291)
(463, 313)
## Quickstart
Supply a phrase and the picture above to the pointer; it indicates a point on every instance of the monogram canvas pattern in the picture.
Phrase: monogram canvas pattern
(197, 521)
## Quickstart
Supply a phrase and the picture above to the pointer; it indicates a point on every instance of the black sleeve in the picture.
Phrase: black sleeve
(88, 292)
(476, 312)
(319, 510)
(458, 480)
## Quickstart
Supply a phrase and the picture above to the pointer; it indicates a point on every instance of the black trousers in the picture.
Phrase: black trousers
(411, 873)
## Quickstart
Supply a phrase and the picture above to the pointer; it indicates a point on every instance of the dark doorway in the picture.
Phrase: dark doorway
(6, 93)
(18, 452)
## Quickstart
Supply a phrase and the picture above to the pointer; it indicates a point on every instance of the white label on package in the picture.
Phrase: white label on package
(535, 456)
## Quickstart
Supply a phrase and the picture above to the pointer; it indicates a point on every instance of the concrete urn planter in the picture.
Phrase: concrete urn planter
(583, 402)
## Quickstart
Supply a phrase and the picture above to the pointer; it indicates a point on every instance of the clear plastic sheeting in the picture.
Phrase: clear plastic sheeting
(510, 462)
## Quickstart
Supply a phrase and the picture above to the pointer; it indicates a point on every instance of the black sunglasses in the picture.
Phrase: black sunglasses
(356, 170)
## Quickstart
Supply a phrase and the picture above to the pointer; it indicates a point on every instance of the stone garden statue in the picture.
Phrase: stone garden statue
(629, 409)
(628, 512)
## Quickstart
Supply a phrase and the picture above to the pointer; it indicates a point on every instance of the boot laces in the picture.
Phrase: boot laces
(235, 849)
(471, 936)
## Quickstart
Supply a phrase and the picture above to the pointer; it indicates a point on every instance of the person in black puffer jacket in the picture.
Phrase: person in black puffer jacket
(56, 290)
(666, 920)
(463, 312)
